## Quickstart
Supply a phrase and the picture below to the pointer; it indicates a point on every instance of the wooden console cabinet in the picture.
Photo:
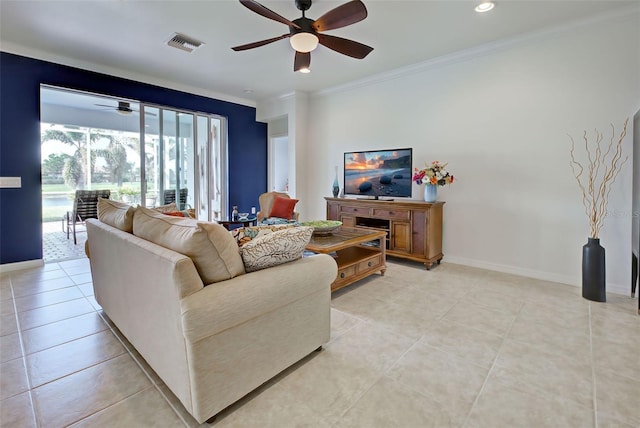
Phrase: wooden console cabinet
(413, 228)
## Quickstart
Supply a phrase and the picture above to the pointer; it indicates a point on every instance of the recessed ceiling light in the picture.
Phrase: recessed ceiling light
(485, 6)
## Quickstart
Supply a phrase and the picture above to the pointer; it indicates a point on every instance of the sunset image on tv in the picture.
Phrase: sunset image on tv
(378, 173)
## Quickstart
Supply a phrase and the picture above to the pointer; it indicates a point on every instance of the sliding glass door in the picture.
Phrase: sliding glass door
(183, 160)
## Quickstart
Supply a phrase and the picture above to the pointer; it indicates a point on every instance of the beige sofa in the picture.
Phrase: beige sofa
(212, 344)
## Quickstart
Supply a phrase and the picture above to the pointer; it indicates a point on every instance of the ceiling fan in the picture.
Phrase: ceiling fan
(305, 33)
(123, 108)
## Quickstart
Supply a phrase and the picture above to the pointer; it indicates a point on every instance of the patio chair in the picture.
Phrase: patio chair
(85, 205)
(170, 196)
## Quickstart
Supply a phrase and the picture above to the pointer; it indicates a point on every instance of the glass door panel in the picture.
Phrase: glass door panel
(151, 157)
(184, 161)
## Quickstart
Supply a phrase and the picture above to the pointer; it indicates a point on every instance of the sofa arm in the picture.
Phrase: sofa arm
(225, 304)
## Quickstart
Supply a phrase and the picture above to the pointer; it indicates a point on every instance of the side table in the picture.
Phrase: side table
(245, 222)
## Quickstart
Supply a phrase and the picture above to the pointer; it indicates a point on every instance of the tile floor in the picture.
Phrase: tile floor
(56, 246)
(456, 346)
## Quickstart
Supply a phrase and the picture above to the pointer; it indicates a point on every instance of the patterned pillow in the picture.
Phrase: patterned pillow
(242, 235)
(275, 248)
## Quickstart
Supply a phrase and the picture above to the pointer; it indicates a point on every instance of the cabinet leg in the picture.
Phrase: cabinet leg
(382, 271)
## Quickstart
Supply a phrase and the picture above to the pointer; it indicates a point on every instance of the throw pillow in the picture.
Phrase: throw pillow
(210, 246)
(116, 214)
(169, 208)
(275, 248)
(242, 235)
(283, 207)
(184, 213)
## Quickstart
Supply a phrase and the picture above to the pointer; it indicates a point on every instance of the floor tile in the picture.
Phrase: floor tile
(17, 411)
(327, 385)
(7, 307)
(451, 381)
(86, 289)
(81, 394)
(391, 404)
(145, 408)
(531, 365)
(481, 318)
(617, 397)
(341, 323)
(8, 324)
(506, 406)
(49, 335)
(47, 298)
(474, 345)
(53, 313)
(36, 275)
(13, 378)
(82, 269)
(555, 339)
(54, 363)
(10, 347)
(554, 316)
(272, 406)
(611, 356)
(82, 278)
(29, 288)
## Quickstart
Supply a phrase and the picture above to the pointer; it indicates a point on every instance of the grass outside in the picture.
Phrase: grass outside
(53, 209)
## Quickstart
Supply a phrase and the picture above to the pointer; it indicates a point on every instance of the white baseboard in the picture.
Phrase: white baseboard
(530, 273)
(30, 264)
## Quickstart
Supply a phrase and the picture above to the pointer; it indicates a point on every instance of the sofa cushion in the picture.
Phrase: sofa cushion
(242, 235)
(116, 214)
(275, 248)
(211, 247)
(283, 207)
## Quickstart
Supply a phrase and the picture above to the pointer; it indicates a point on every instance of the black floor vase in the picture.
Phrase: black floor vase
(593, 271)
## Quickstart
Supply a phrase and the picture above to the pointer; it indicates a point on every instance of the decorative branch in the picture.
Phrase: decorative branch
(602, 171)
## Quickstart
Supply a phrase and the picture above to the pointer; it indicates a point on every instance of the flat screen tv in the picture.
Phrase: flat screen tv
(378, 173)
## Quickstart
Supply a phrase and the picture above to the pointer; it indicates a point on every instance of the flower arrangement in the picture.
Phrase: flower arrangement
(435, 174)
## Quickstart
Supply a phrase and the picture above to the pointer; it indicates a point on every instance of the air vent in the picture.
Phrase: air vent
(183, 42)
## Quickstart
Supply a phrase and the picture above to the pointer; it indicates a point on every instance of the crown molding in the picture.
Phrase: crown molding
(629, 12)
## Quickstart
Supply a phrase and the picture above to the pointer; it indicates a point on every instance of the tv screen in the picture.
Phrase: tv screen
(378, 173)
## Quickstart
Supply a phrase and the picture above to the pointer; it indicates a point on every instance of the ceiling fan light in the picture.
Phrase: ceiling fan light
(485, 6)
(305, 70)
(304, 42)
(124, 112)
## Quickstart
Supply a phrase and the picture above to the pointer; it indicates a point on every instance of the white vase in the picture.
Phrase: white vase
(430, 192)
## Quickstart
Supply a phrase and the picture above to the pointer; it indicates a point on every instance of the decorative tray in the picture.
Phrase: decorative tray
(322, 227)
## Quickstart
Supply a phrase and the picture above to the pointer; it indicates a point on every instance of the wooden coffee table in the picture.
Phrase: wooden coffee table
(358, 252)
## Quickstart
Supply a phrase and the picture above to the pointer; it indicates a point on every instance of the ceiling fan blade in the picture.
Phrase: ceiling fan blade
(104, 105)
(302, 60)
(345, 46)
(260, 43)
(341, 16)
(267, 13)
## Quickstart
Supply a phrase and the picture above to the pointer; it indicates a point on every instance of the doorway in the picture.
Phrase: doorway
(145, 154)
(279, 164)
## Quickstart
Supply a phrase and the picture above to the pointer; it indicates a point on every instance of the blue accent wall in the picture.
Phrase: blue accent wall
(20, 80)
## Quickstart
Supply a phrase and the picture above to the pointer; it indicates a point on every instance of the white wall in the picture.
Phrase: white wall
(500, 119)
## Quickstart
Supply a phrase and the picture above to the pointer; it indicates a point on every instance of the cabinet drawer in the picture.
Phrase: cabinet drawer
(369, 264)
(353, 210)
(346, 273)
(392, 214)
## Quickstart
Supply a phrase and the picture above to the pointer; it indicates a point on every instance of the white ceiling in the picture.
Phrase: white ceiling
(127, 38)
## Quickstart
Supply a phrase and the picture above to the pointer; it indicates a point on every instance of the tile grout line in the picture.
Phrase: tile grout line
(135, 360)
(504, 338)
(23, 356)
